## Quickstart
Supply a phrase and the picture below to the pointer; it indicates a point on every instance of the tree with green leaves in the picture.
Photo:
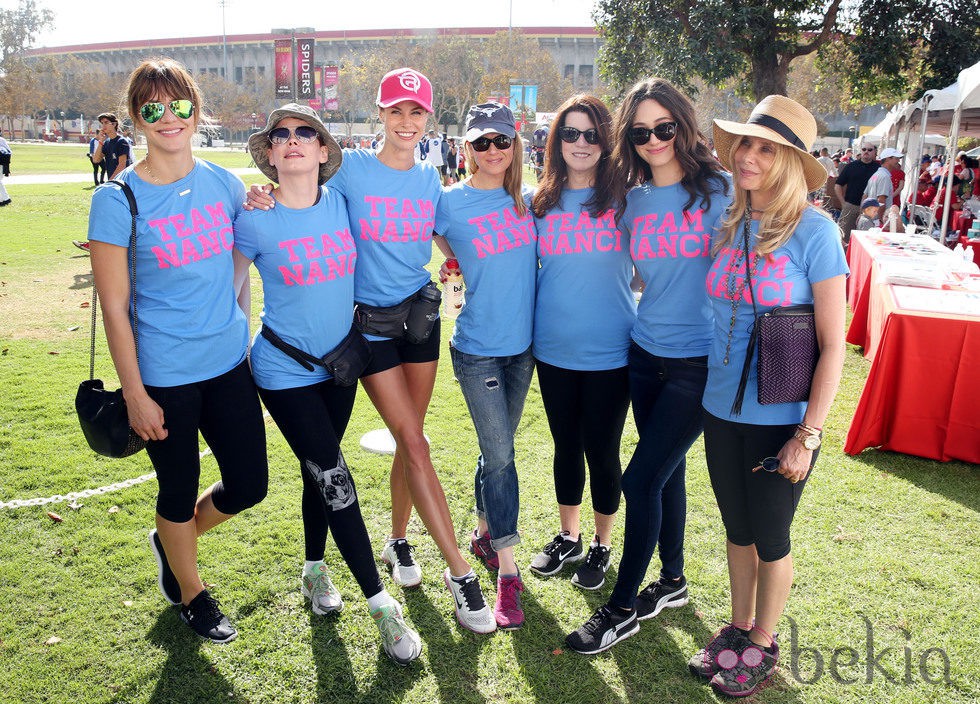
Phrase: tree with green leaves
(885, 49)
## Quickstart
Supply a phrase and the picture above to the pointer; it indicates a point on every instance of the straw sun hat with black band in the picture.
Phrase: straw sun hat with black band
(258, 142)
(781, 120)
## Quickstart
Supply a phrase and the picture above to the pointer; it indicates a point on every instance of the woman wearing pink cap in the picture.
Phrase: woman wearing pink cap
(391, 202)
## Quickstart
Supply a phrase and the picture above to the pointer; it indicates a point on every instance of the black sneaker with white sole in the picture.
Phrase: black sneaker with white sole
(560, 551)
(607, 627)
(660, 595)
(205, 617)
(591, 574)
(169, 586)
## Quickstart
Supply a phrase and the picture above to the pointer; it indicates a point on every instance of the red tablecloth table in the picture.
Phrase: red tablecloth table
(922, 395)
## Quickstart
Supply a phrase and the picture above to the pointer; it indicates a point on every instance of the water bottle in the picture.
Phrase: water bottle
(452, 299)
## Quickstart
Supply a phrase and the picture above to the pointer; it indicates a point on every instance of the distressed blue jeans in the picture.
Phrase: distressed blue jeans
(495, 389)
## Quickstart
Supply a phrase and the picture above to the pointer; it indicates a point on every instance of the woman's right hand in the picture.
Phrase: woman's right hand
(146, 417)
(259, 198)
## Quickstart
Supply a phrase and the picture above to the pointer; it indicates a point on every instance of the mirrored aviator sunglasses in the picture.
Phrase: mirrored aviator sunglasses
(152, 112)
(571, 135)
(304, 134)
(665, 132)
(501, 142)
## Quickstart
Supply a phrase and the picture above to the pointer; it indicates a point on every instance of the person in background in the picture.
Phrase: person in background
(673, 190)
(190, 376)
(584, 310)
(773, 248)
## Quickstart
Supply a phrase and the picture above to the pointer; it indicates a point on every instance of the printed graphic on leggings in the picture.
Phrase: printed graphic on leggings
(336, 484)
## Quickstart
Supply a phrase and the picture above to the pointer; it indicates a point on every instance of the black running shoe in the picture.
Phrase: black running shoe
(660, 595)
(560, 551)
(204, 616)
(591, 574)
(166, 580)
(607, 627)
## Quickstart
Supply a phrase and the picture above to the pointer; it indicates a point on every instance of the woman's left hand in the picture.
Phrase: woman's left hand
(794, 460)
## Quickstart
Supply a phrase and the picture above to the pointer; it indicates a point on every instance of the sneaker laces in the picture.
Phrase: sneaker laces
(403, 552)
(472, 594)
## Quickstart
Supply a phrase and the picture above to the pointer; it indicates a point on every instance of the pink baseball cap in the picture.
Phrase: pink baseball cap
(405, 84)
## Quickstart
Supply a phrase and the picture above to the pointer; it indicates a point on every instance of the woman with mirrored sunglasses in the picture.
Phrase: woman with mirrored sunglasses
(391, 203)
(188, 374)
(672, 190)
(484, 222)
(584, 310)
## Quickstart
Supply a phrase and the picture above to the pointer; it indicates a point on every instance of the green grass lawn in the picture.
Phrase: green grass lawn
(886, 548)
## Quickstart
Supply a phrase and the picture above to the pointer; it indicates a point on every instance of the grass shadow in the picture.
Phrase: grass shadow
(957, 481)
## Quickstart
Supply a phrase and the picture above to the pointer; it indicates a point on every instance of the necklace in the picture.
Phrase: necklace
(736, 287)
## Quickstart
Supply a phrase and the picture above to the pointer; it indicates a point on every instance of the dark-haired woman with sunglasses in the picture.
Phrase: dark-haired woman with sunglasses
(188, 373)
(676, 191)
(584, 310)
(484, 222)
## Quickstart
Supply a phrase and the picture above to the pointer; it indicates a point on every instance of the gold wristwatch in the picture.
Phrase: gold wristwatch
(808, 436)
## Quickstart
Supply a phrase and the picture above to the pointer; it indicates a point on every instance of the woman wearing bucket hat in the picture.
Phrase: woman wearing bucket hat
(676, 191)
(773, 249)
(391, 204)
(584, 310)
(189, 373)
(487, 226)
(306, 256)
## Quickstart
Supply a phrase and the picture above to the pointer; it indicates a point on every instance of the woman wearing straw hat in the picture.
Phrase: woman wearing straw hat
(306, 256)
(391, 203)
(677, 190)
(773, 249)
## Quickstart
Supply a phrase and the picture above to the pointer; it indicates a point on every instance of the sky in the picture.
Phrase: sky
(93, 23)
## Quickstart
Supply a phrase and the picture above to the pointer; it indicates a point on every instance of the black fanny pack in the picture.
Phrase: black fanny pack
(413, 318)
(345, 362)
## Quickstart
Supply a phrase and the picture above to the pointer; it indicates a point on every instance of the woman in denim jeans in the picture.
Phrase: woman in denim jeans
(485, 223)
(677, 192)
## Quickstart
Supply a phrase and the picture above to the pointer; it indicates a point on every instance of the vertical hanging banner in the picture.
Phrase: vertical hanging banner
(330, 81)
(305, 88)
(284, 68)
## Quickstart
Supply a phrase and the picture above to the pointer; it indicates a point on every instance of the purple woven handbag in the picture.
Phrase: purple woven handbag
(788, 354)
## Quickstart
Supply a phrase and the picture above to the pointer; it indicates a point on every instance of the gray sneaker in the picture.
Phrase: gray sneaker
(400, 642)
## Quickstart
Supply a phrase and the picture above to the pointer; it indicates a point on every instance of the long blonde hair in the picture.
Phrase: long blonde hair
(513, 179)
(783, 214)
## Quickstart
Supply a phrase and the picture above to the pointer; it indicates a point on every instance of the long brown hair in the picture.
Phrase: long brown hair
(690, 146)
(555, 174)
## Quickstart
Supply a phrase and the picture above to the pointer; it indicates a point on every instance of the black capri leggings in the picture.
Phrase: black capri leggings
(313, 420)
(227, 412)
(757, 508)
(586, 412)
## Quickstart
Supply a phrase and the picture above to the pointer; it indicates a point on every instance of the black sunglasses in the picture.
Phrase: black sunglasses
(571, 135)
(281, 135)
(665, 132)
(152, 112)
(501, 142)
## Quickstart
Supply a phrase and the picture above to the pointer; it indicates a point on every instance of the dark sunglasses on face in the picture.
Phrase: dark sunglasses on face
(303, 133)
(152, 112)
(571, 135)
(501, 142)
(665, 132)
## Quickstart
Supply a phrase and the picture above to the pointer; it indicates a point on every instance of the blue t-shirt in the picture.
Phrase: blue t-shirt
(783, 278)
(584, 308)
(391, 215)
(306, 259)
(497, 253)
(190, 327)
(671, 247)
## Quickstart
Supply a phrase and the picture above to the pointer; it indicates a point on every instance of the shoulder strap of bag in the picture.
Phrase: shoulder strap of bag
(750, 349)
(133, 211)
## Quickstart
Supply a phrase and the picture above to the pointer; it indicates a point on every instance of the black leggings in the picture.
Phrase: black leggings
(227, 412)
(586, 412)
(313, 420)
(757, 508)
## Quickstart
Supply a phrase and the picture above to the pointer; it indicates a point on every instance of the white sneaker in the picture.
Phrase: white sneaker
(323, 595)
(400, 642)
(472, 611)
(397, 554)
